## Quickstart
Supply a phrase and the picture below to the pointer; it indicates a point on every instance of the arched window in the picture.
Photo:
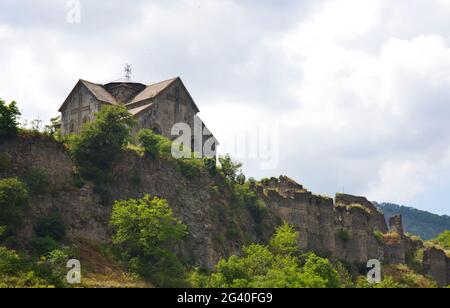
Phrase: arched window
(72, 127)
(86, 119)
(157, 130)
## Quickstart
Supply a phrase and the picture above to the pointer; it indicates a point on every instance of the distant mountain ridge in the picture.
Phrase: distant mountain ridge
(424, 224)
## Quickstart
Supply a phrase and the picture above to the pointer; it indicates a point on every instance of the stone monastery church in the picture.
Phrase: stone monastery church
(157, 106)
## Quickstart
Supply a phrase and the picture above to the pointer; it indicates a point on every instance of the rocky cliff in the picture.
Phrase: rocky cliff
(348, 228)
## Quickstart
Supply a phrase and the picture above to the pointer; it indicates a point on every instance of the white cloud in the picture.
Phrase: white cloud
(360, 88)
(387, 102)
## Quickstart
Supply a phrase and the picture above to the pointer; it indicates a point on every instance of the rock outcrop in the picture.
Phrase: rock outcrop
(348, 228)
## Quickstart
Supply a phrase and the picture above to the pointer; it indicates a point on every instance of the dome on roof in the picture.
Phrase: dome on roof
(123, 80)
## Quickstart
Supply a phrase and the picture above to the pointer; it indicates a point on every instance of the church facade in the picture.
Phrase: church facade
(157, 106)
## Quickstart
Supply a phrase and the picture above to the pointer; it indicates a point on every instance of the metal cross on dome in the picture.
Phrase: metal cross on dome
(128, 72)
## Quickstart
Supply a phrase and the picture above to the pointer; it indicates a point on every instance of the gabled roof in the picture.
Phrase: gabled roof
(100, 92)
(151, 91)
(96, 89)
(138, 110)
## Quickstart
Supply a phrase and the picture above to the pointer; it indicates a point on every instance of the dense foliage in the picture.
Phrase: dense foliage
(37, 181)
(101, 142)
(51, 225)
(278, 265)
(155, 146)
(443, 240)
(13, 198)
(417, 222)
(231, 169)
(9, 119)
(145, 232)
(21, 271)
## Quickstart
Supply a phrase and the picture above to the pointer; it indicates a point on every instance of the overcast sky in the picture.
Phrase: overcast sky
(359, 90)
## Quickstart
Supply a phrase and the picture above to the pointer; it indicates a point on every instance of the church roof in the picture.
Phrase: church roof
(152, 90)
(100, 92)
(138, 110)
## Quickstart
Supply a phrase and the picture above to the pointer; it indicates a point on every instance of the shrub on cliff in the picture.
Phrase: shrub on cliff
(387, 283)
(243, 197)
(9, 119)
(101, 142)
(5, 162)
(285, 240)
(443, 240)
(37, 181)
(155, 146)
(13, 198)
(21, 271)
(274, 266)
(145, 233)
(51, 226)
(230, 168)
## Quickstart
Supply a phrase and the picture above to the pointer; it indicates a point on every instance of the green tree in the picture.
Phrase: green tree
(51, 226)
(230, 168)
(9, 119)
(443, 240)
(37, 181)
(145, 231)
(101, 141)
(13, 198)
(285, 240)
(274, 266)
(51, 129)
(387, 283)
(316, 266)
(154, 145)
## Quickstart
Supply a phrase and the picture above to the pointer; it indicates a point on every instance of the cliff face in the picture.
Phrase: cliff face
(344, 228)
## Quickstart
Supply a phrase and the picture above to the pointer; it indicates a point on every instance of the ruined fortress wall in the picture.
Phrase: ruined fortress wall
(343, 230)
(436, 265)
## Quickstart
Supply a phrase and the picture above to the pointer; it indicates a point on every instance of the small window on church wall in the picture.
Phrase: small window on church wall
(85, 120)
(72, 127)
(157, 130)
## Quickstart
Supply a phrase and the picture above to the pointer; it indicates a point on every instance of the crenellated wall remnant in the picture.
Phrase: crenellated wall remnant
(435, 264)
(396, 225)
(347, 228)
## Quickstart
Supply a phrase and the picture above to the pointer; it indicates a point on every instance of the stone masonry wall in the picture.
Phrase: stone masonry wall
(343, 229)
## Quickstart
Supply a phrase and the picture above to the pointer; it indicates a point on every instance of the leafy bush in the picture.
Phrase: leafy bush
(211, 166)
(190, 167)
(9, 119)
(9, 262)
(243, 197)
(101, 142)
(43, 245)
(387, 283)
(37, 181)
(13, 198)
(274, 266)
(443, 240)
(240, 179)
(51, 226)
(379, 236)
(230, 169)
(258, 210)
(5, 162)
(145, 233)
(285, 240)
(18, 271)
(155, 146)
(343, 235)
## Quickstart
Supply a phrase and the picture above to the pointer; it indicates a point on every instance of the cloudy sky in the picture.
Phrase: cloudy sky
(359, 91)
